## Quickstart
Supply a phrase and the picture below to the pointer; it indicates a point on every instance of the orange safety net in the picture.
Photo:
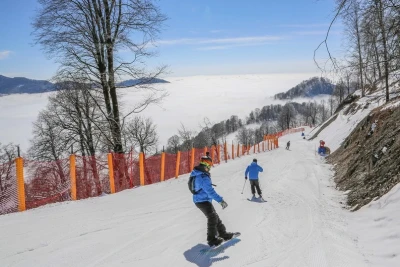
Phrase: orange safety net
(132, 160)
(152, 169)
(122, 178)
(88, 182)
(184, 165)
(170, 166)
(46, 182)
(49, 182)
(8, 188)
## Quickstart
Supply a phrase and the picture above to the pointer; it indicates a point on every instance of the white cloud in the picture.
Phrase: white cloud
(4, 54)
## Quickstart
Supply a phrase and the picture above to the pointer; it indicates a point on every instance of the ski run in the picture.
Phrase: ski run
(301, 224)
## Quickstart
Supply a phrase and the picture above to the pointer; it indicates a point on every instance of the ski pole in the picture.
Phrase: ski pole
(244, 185)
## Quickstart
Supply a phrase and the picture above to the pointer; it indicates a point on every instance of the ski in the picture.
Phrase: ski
(257, 199)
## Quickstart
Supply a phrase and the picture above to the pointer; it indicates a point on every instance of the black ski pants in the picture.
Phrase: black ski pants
(214, 223)
(255, 185)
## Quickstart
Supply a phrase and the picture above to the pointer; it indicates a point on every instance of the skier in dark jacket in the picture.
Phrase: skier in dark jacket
(288, 145)
(203, 195)
(252, 172)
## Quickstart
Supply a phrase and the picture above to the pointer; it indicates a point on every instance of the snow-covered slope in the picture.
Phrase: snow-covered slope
(301, 224)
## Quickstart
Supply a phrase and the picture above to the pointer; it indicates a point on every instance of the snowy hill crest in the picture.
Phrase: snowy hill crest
(309, 88)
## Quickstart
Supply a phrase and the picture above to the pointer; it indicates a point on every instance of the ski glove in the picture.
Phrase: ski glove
(223, 204)
(245, 177)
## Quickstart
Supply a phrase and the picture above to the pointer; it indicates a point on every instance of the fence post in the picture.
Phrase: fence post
(162, 166)
(212, 153)
(131, 176)
(218, 153)
(178, 162)
(205, 150)
(254, 149)
(263, 149)
(233, 151)
(111, 172)
(258, 147)
(19, 162)
(72, 175)
(141, 168)
(192, 159)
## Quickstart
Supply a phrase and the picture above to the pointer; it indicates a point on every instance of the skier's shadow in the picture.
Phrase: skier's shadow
(204, 256)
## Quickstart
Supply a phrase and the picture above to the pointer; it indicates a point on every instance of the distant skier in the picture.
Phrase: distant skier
(288, 145)
(321, 143)
(252, 172)
(203, 194)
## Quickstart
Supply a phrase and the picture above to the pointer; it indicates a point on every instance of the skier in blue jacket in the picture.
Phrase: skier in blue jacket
(252, 172)
(203, 194)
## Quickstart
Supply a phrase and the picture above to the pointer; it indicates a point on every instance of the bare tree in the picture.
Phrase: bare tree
(186, 136)
(86, 35)
(49, 139)
(174, 143)
(323, 111)
(353, 17)
(383, 32)
(287, 116)
(142, 132)
(245, 136)
(332, 105)
(8, 153)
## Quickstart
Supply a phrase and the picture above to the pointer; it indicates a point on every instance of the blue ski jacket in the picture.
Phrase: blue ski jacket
(252, 171)
(203, 187)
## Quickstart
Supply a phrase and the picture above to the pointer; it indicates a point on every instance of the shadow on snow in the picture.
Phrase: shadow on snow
(204, 256)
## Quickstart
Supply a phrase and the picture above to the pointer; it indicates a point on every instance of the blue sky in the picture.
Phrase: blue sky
(201, 37)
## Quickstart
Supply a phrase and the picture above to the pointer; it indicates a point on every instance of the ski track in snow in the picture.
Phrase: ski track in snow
(302, 223)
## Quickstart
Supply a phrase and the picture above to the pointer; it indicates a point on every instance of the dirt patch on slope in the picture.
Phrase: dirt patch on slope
(368, 166)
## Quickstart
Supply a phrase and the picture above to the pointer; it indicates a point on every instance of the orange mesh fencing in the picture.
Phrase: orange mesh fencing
(8, 188)
(92, 177)
(152, 169)
(184, 165)
(122, 179)
(49, 182)
(46, 182)
(134, 172)
(132, 160)
(170, 165)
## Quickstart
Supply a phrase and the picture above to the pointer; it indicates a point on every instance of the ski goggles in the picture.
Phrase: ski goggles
(207, 164)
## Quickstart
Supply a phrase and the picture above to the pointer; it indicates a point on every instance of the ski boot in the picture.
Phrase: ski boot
(215, 242)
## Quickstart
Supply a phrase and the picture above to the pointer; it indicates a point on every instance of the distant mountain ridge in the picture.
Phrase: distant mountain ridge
(19, 85)
(308, 88)
(132, 82)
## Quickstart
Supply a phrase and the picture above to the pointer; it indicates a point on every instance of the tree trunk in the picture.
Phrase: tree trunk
(360, 60)
(385, 51)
